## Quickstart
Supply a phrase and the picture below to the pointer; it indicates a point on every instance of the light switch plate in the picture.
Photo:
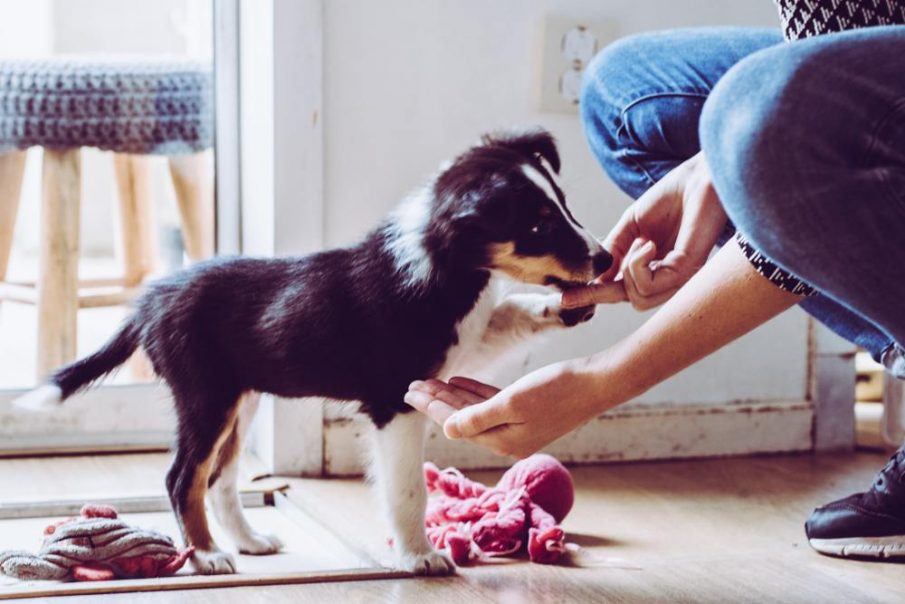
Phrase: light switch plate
(569, 45)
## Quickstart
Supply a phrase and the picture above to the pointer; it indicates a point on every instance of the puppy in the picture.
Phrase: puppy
(415, 299)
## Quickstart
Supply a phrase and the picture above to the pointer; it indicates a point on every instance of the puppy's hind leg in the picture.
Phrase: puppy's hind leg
(205, 423)
(399, 475)
(224, 492)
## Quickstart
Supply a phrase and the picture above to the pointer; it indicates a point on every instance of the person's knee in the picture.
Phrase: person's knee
(630, 113)
(750, 128)
(608, 82)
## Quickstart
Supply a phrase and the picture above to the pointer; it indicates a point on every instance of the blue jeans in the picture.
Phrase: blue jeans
(806, 143)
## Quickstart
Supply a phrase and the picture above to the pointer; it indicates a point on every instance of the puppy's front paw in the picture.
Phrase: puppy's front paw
(554, 314)
(430, 564)
(259, 545)
(573, 316)
(213, 563)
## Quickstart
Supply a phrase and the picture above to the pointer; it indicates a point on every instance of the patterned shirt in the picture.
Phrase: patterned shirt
(806, 18)
(803, 19)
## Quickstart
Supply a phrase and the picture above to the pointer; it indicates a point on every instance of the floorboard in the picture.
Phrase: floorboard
(727, 530)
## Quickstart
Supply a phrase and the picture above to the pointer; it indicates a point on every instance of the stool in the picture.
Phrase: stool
(133, 108)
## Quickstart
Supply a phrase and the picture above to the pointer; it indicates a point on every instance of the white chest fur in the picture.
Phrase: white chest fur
(462, 359)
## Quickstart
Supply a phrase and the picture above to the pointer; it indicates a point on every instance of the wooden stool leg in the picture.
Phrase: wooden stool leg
(58, 279)
(12, 168)
(193, 180)
(137, 237)
(137, 233)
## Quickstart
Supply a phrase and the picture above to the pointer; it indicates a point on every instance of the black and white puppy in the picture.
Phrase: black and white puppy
(413, 300)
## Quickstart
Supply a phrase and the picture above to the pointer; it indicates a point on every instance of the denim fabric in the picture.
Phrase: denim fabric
(641, 107)
(806, 142)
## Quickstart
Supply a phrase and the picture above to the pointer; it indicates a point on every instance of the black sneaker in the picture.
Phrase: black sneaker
(865, 525)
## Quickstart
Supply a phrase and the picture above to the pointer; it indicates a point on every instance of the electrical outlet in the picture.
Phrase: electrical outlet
(569, 45)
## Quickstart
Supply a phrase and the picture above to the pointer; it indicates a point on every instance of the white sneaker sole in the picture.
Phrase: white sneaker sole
(862, 547)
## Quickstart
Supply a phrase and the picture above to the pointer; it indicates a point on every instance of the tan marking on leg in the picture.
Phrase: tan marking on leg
(232, 446)
(224, 494)
(194, 518)
(226, 455)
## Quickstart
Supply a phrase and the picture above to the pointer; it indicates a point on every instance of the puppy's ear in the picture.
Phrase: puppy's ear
(530, 143)
(467, 192)
(480, 204)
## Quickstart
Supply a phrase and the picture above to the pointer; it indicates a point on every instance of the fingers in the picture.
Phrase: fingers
(637, 272)
(439, 400)
(476, 419)
(620, 239)
(640, 302)
(434, 408)
(703, 218)
(457, 422)
(449, 394)
(479, 389)
(484, 424)
(594, 293)
(649, 282)
(464, 407)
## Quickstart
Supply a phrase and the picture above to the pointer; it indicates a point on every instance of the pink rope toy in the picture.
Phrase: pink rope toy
(96, 546)
(521, 513)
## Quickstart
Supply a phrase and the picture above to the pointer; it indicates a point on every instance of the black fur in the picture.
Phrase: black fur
(529, 143)
(113, 353)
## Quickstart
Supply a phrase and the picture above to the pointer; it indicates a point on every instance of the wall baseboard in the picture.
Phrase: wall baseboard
(113, 418)
(124, 418)
(642, 433)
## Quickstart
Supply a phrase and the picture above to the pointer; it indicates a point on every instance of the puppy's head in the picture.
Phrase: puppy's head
(501, 203)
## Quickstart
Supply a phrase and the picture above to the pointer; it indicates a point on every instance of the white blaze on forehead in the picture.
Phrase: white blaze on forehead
(406, 231)
(550, 171)
(535, 176)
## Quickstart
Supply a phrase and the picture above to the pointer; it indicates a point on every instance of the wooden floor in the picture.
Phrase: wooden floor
(695, 531)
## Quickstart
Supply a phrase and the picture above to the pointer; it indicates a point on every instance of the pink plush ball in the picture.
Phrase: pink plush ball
(546, 481)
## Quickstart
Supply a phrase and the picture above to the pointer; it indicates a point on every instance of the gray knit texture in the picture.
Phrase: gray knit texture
(145, 106)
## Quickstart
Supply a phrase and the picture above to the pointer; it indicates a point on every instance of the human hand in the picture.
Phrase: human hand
(660, 242)
(515, 421)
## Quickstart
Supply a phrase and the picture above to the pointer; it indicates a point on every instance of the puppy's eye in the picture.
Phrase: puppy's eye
(543, 220)
(540, 227)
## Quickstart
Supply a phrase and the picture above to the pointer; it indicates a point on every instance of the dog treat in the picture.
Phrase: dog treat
(520, 514)
(96, 546)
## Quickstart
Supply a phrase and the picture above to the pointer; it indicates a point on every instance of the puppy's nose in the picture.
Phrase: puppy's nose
(602, 260)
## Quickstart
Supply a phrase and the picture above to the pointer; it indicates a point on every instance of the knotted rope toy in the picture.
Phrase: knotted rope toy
(521, 513)
(96, 546)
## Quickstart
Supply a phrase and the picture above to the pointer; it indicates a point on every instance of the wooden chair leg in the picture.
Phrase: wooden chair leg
(58, 276)
(12, 168)
(137, 227)
(140, 368)
(137, 239)
(193, 179)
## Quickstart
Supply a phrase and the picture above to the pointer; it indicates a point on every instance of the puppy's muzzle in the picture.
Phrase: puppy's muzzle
(601, 261)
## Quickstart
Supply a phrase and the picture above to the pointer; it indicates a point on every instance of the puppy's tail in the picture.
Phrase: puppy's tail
(69, 379)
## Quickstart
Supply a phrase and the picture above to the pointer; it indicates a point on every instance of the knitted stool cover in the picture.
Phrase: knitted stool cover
(146, 106)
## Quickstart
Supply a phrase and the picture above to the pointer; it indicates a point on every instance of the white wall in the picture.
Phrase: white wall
(23, 28)
(25, 32)
(103, 27)
(409, 84)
